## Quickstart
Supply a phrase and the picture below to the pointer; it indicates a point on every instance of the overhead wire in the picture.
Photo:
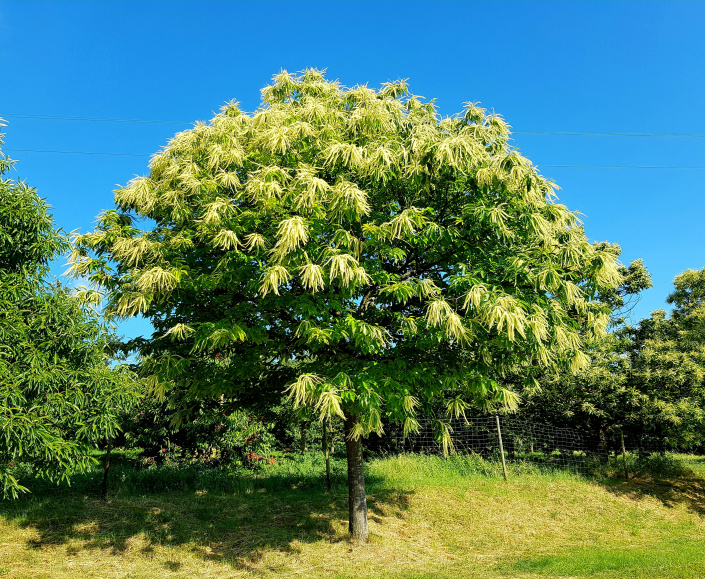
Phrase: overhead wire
(546, 166)
(172, 122)
(175, 122)
(76, 152)
(606, 134)
(624, 166)
(94, 119)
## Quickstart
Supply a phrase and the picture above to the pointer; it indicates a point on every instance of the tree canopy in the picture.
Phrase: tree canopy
(667, 355)
(645, 381)
(600, 401)
(356, 248)
(59, 392)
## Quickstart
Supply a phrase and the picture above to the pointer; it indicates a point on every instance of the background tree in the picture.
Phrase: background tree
(646, 381)
(396, 256)
(667, 355)
(59, 392)
(622, 300)
(219, 432)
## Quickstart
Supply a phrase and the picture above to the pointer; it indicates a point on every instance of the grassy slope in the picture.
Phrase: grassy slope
(428, 518)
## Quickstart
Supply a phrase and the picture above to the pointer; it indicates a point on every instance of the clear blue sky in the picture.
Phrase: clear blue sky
(614, 67)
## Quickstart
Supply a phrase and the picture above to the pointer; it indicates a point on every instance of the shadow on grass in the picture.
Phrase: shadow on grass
(687, 490)
(668, 477)
(224, 517)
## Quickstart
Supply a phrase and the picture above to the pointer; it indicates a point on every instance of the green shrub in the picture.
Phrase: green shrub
(216, 435)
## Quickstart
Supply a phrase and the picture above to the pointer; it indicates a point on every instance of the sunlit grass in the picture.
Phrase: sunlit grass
(677, 557)
(693, 462)
(429, 517)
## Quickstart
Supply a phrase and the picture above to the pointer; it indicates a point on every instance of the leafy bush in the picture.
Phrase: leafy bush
(657, 465)
(216, 435)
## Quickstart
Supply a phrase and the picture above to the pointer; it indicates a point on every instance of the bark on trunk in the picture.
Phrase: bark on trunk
(106, 468)
(326, 452)
(303, 445)
(357, 500)
(603, 448)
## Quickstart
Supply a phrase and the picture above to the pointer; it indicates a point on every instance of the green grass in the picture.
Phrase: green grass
(681, 557)
(429, 517)
(693, 462)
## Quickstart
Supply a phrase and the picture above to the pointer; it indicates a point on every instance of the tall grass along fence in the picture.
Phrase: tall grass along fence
(513, 442)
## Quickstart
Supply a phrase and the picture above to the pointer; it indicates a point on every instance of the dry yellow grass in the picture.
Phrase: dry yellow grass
(463, 528)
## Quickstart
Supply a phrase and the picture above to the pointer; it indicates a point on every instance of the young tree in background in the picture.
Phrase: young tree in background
(59, 394)
(396, 256)
(646, 381)
(667, 357)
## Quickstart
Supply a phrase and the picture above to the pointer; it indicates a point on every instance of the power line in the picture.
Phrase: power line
(75, 152)
(598, 134)
(541, 166)
(622, 166)
(97, 119)
(173, 122)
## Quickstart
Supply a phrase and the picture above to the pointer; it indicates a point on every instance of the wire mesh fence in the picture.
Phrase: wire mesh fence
(520, 441)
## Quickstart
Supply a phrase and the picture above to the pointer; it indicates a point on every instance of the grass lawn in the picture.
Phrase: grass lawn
(429, 517)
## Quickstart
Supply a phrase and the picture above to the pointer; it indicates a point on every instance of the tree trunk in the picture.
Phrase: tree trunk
(303, 445)
(603, 448)
(326, 451)
(357, 501)
(106, 468)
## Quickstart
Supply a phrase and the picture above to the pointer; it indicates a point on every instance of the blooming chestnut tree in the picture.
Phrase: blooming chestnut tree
(351, 246)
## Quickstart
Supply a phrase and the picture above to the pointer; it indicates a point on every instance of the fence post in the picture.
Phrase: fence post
(501, 448)
(624, 456)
